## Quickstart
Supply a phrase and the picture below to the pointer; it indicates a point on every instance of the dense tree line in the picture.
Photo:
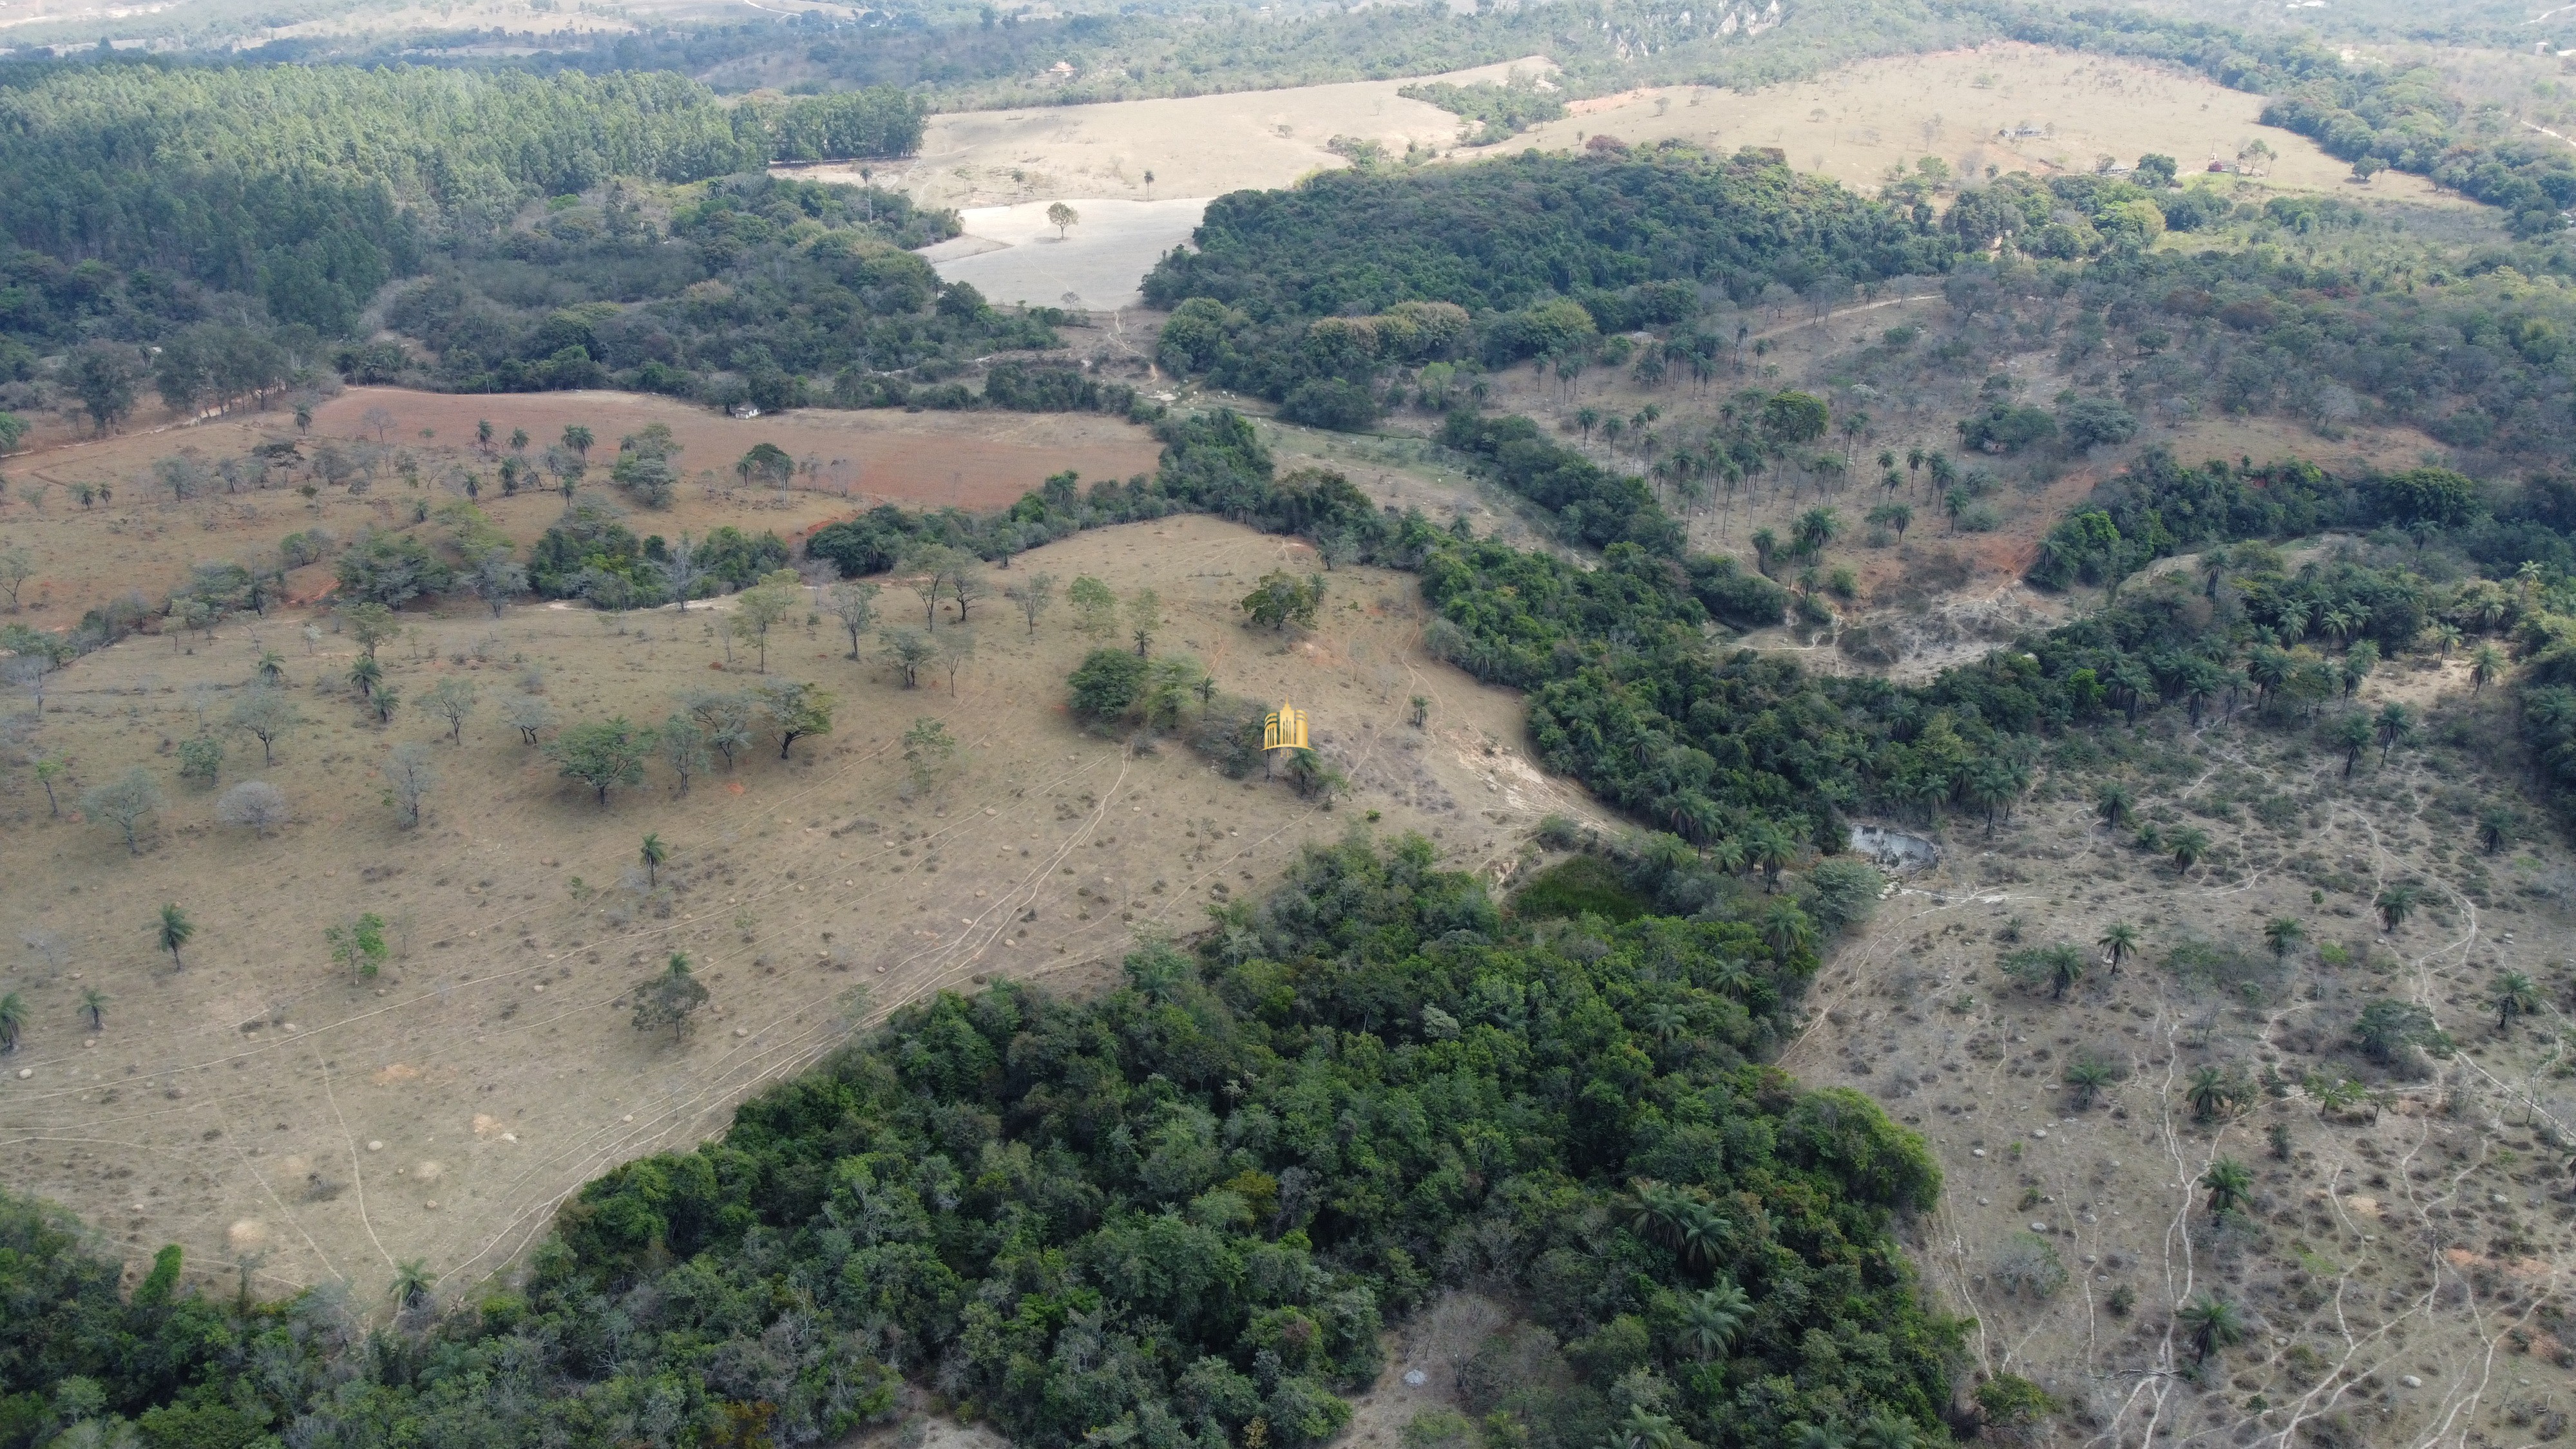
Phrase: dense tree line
(1179, 1213)
(147, 194)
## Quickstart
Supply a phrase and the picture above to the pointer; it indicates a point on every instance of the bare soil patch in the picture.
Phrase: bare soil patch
(232, 1106)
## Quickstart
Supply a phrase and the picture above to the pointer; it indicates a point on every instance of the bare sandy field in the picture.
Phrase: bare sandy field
(234, 1106)
(1852, 124)
(1200, 146)
(1014, 254)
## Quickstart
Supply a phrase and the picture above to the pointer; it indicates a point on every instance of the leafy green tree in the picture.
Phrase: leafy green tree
(105, 377)
(201, 759)
(370, 624)
(927, 750)
(758, 610)
(684, 748)
(2387, 1027)
(855, 605)
(1033, 596)
(1106, 684)
(1095, 607)
(358, 946)
(124, 803)
(795, 710)
(604, 755)
(172, 929)
(907, 651)
(1279, 601)
(670, 1001)
(1145, 617)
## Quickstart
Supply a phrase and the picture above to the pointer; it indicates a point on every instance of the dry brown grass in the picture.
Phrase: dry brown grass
(493, 1059)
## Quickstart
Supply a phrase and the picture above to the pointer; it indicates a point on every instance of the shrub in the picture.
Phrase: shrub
(1105, 684)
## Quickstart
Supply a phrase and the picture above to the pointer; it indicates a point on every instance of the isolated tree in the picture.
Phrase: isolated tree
(2486, 665)
(451, 700)
(13, 1020)
(2283, 935)
(925, 570)
(2514, 996)
(410, 774)
(2188, 845)
(2120, 941)
(93, 1004)
(370, 624)
(1033, 596)
(956, 646)
(2058, 967)
(496, 579)
(15, 569)
(1095, 607)
(758, 609)
(172, 929)
(267, 715)
(255, 803)
(48, 771)
(2212, 1323)
(795, 710)
(1062, 218)
(652, 856)
(2395, 904)
(927, 749)
(105, 377)
(382, 706)
(125, 804)
(907, 651)
(527, 714)
(1144, 619)
(2495, 827)
(1279, 601)
(684, 748)
(855, 605)
(966, 582)
(2231, 1187)
(2388, 1026)
(579, 439)
(366, 675)
(726, 716)
(412, 1284)
(603, 755)
(358, 946)
(2113, 802)
(2087, 1076)
(669, 1001)
(2210, 1093)
(766, 463)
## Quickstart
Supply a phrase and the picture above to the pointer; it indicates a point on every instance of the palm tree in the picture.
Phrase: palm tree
(1787, 930)
(172, 931)
(2214, 1324)
(366, 674)
(1667, 1021)
(1710, 1319)
(2446, 636)
(2065, 967)
(1656, 1214)
(272, 667)
(1772, 851)
(2486, 665)
(1818, 1436)
(2514, 996)
(2395, 904)
(412, 1282)
(653, 854)
(13, 1020)
(2113, 803)
(2394, 721)
(2088, 1075)
(1700, 1233)
(2283, 935)
(2210, 1094)
(1733, 977)
(94, 1002)
(2495, 826)
(2120, 941)
(1888, 1432)
(2230, 1186)
(2188, 846)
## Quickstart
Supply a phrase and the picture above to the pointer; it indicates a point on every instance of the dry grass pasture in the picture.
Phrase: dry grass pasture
(144, 539)
(1853, 123)
(2403, 1264)
(258, 1104)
